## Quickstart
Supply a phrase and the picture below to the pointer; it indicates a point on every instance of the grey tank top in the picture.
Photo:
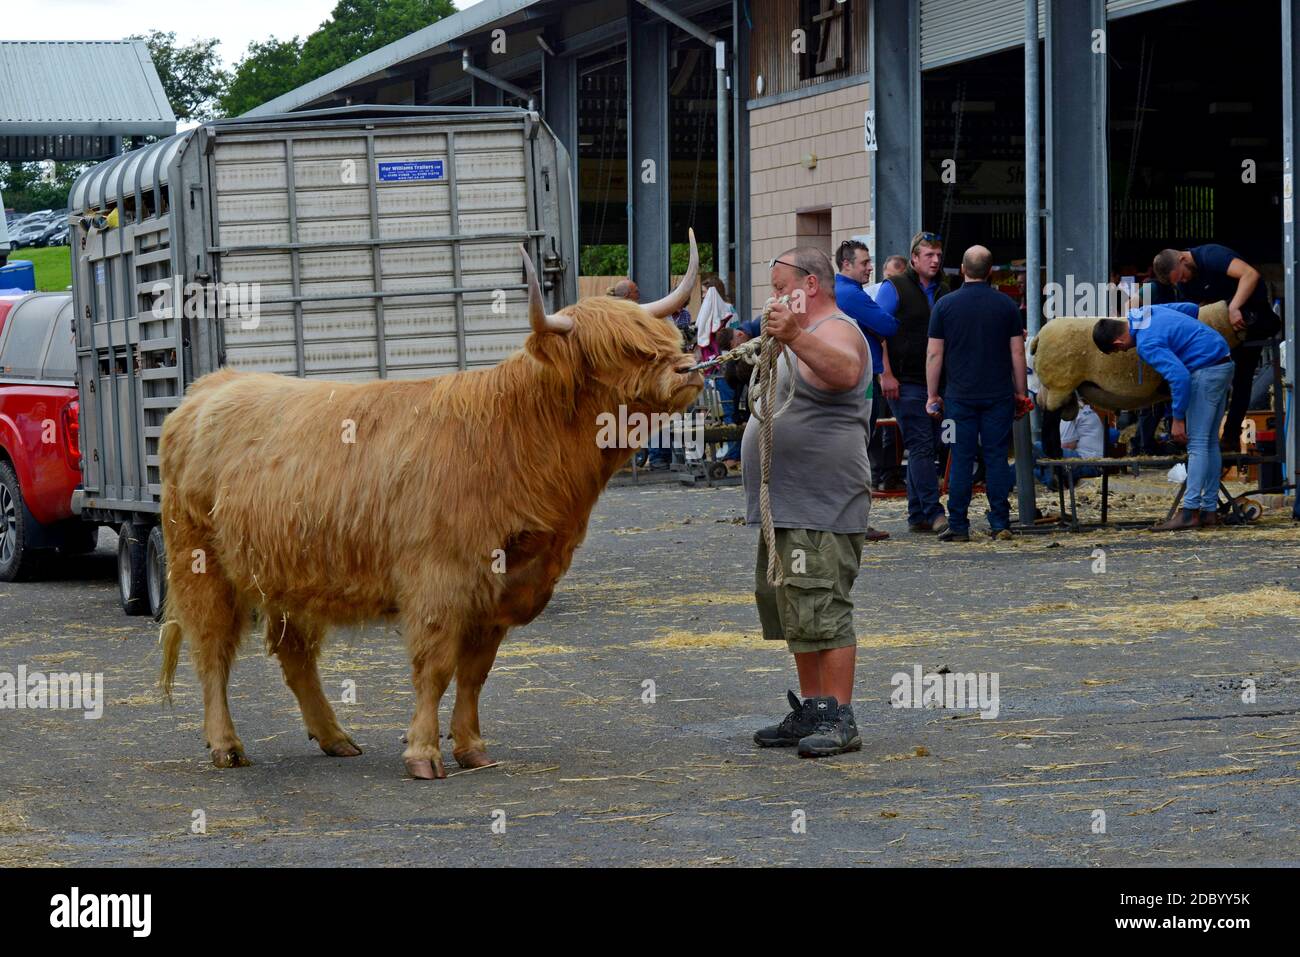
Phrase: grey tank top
(820, 477)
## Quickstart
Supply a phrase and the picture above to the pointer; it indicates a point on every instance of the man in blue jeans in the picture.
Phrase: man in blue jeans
(1196, 362)
(975, 336)
(909, 298)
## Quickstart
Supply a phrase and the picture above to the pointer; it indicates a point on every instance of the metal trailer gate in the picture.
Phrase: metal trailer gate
(382, 243)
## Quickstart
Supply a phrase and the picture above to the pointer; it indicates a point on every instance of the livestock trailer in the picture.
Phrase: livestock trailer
(352, 243)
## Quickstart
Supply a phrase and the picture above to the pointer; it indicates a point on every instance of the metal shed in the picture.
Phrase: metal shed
(77, 101)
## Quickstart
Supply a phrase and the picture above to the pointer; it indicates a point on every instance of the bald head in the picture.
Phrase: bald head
(625, 289)
(976, 263)
(812, 262)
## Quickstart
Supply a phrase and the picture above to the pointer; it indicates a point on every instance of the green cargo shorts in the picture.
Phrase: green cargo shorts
(812, 610)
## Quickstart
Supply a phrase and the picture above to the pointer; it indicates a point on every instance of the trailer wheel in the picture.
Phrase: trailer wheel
(17, 561)
(132, 585)
(156, 572)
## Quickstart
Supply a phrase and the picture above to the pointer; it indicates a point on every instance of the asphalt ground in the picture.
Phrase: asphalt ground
(1120, 704)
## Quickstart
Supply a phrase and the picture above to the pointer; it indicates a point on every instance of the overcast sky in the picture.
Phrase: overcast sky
(236, 23)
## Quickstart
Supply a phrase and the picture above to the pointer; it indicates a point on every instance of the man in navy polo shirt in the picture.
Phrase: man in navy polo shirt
(975, 338)
(1211, 273)
(1194, 360)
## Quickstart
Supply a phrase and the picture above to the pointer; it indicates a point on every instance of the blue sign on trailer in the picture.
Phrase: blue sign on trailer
(410, 171)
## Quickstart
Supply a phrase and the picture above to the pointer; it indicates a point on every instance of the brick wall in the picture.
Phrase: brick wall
(782, 188)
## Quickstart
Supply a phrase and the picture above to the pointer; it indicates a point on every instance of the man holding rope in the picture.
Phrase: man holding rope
(806, 485)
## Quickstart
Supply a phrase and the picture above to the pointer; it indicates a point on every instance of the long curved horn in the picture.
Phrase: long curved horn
(537, 315)
(665, 307)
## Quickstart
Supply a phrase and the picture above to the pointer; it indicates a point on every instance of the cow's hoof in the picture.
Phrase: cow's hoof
(345, 747)
(230, 758)
(423, 769)
(473, 759)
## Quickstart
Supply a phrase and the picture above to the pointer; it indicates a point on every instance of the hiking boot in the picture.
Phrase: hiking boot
(799, 723)
(919, 527)
(836, 731)
(950, 534)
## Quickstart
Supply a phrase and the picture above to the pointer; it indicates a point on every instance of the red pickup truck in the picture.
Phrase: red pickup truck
(40, 459)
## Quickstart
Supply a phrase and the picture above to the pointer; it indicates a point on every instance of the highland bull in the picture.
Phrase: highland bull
(454, 509)
(1066, 362)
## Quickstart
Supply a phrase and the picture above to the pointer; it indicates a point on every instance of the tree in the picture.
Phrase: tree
(27, 189)
(267, 70)
(191, 75)
(355, 28)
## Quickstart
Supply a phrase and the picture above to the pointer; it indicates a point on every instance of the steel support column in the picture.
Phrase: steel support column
(1024, 432)
(560, 109)
(649, 187)
(1078, 186)
(1290, 234)
(741, 288)
(483, 93)
(895, 90)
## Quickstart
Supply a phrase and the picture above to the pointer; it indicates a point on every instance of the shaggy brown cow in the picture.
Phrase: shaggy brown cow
(268, 504)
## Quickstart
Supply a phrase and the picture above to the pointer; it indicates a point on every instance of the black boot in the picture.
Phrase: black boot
(799, 723)
(836, 730)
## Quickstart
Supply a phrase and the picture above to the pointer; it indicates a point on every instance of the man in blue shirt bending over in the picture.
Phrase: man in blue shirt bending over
(1195, 361)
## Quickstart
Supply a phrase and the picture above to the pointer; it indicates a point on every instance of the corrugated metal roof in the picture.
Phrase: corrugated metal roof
(1122, 8)
(412, 45)
(957, 30)
(92, 88)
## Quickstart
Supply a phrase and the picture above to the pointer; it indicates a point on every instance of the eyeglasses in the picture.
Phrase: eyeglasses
(774, 262)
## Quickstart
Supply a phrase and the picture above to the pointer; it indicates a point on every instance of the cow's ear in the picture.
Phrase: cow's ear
(549, 348)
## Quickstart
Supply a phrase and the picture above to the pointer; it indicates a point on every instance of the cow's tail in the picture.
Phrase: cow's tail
(170, 637)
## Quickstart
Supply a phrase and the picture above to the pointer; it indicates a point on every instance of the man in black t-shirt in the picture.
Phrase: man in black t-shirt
(976, 339)
(1210, 273)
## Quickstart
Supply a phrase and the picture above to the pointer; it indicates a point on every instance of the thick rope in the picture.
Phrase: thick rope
(763, 383)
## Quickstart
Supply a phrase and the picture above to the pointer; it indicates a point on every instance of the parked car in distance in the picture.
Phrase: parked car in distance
(55, 233)
(40, 455)
(28, 233)
(57, 236)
